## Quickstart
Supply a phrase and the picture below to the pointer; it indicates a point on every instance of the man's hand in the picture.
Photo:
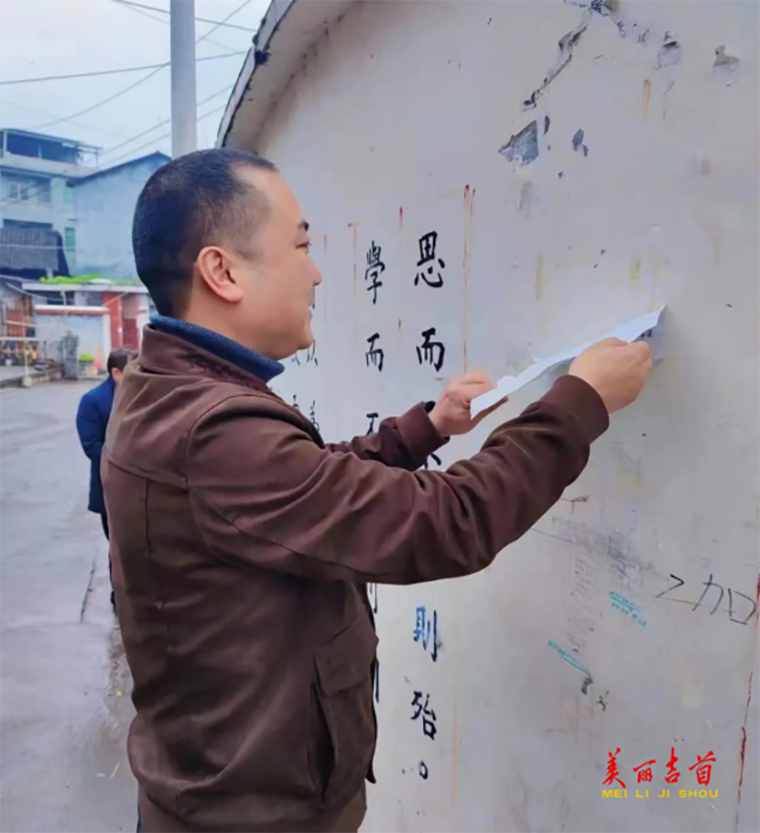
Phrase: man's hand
(451, 414)
(615, 369)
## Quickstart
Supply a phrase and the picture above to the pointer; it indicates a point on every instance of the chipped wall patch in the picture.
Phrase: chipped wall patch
(522, 147)
(578, 142)
(725, 65)
(669, 54)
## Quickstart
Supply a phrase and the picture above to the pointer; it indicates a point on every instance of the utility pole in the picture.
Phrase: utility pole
(184, 129)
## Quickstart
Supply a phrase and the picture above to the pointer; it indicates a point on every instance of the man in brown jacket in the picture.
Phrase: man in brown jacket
(242, 542)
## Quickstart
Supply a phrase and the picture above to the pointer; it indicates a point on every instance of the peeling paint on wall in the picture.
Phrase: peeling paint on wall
(647, 92)
(669, 53)
(523, 147)
(566, 45)
(725, 65)
(578, 142)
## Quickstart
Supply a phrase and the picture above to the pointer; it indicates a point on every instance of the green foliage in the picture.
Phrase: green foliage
(61, 280)
(86, 357)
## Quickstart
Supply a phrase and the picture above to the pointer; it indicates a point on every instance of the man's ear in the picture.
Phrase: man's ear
(216, 268)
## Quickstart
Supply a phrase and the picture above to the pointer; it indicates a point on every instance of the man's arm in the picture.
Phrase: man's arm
(91, 429)
(405, 441)
(264, 493)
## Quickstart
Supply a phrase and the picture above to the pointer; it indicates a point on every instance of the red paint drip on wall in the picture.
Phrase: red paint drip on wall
(743, 748)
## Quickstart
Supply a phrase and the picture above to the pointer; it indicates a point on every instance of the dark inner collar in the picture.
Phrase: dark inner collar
(221, 346)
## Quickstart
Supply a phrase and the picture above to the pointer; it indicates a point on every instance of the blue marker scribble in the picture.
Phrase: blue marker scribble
(568, 657)
(627, 607)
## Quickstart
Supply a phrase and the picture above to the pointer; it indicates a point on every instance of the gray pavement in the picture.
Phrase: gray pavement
(64, 684)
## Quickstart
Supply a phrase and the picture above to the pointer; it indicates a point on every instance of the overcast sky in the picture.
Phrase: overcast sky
(56, 37)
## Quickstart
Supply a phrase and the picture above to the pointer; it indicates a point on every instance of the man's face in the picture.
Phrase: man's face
(280, 279)
(116, 375)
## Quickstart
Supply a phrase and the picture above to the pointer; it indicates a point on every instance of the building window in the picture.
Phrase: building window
(70, 239)
(68, 195)
(27, 188)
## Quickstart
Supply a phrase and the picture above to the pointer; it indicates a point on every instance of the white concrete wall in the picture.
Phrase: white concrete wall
(390, 129)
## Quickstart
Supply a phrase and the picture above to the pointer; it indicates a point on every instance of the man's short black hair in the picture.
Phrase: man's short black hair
(119, 358)
(194, 201)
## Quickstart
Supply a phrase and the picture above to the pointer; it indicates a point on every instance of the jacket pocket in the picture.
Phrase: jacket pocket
(344, 701)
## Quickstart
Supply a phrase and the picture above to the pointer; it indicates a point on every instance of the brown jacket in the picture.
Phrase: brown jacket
(241, 546)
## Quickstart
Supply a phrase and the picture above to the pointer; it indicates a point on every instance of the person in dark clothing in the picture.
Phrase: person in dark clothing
(243, 543)
(92, 421)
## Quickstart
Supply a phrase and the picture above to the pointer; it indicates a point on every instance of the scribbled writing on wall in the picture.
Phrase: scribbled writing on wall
(372, 599)
(372, 596)
(295, 403)
(313, 414)
(422, 710)
(375, 268)
(567, 656)
(741, 608)
(432, 273)
(375, 355)
(432, 352)
(311, 355)
(436, 460)
(426, 632)
(627, 607)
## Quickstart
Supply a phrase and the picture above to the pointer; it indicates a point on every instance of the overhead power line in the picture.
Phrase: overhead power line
(111, 162)
(162, 123)
(10, 103)
(136, 83)
(166, 11)
(111, 71)
(138, 9)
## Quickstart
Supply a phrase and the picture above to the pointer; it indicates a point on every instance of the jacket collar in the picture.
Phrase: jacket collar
(221, 346)
(167, 354)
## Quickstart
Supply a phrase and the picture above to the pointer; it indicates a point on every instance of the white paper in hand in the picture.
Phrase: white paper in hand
(507, 385)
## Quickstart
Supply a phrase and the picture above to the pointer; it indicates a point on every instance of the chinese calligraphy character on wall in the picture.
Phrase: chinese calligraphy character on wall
(429, 351)
(431, 273)
(426, 631)
(375, 267)
(374, 356)
(371, 417)
(428, 715)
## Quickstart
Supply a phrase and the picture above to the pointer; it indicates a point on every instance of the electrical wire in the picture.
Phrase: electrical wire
(112, 162)
(112, 71)
(10, 103)
(136, 83)
(166, 11)
(137, 7)
(162, 123)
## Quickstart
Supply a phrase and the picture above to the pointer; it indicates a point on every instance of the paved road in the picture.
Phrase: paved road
(64, 695)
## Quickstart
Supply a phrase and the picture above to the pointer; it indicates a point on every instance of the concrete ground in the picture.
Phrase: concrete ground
(64, 684)
(11, 372)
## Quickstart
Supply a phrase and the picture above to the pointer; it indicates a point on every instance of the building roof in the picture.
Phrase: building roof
(160, 158)
(49, 138)
(101, 285)
(287, 31)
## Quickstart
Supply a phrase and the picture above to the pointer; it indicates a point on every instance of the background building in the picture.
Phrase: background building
(61, 214)
(66, 261)
(105, 202)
